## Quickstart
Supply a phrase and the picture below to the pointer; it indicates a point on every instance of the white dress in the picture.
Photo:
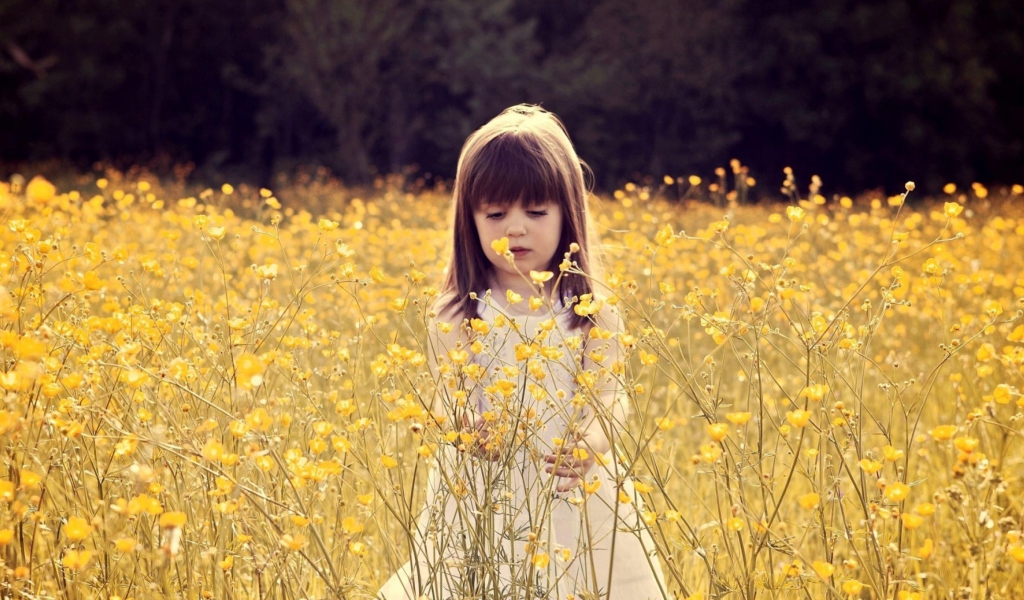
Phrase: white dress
(499, 529)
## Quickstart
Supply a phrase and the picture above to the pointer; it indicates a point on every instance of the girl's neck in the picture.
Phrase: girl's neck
(522, 287)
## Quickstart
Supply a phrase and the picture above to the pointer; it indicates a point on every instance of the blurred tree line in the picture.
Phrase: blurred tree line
(864, 93)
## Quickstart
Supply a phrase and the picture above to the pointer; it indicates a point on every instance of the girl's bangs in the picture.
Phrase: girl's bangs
(511, 169)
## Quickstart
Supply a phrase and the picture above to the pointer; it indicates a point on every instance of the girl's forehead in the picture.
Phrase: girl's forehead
(513, 169)
(507, 202)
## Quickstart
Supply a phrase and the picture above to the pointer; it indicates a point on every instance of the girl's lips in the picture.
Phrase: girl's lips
(518, 251)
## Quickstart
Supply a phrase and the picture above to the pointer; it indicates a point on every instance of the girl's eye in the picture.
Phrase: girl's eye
(495, 215)
(538, 213)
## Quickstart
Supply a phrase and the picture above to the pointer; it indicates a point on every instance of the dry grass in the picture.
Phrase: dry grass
(826, 397)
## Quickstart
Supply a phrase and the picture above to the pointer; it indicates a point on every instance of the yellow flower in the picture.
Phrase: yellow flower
(738, 418)
(798, 418)
(173, 519)
(795, 213)
(665, 236)
(911, 521)
(710, 452)
(952, 209)
(249, 371)
(541, 560)
(735, 524)
(343, 249)
(645, 358)
(943, 432)
(966, 444)
(6, 537)
(500, 246)
(793, 569)
(718, 431)
(587, 306)
(388, 462)
(1002, 394)
(77, 529)
(932, 267)
(358, 548)
(896, 491)
(76, 560)
(125, 545)
(852, 587)
(480, 326)
(213, 450)
(540, 277)
(814, 392)
(29, 479)
(40, 191)
(144, 503)
(892, 454)
(870, 466)
(293, 542)
(809, 501)
(926, 549)
(925, 509)
(458, 356)
(351, 526)
(823, 569)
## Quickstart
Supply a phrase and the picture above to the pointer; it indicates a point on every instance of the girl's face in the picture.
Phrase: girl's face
(533, 236)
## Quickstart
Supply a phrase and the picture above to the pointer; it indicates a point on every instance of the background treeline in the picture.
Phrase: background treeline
(864, 93)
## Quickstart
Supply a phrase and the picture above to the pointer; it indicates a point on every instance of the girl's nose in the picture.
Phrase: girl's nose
(515, 229)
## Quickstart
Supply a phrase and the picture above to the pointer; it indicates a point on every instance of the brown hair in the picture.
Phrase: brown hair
(522, 155)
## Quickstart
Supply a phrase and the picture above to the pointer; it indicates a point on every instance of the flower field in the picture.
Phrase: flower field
(226, 393)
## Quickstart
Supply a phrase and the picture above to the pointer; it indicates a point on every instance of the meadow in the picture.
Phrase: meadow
(224, 393)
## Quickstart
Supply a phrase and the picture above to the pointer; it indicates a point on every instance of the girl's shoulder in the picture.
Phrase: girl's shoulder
(445, 324)
(607, 316)
(446, 308)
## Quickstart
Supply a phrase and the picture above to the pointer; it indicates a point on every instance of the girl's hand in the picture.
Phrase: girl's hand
(479, 447)
(572, 462)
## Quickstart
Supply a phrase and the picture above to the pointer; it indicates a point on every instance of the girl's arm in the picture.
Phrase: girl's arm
(448, 348)
(608, 400)
(444, 334)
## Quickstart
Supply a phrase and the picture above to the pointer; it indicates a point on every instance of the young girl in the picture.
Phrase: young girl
(526, 499)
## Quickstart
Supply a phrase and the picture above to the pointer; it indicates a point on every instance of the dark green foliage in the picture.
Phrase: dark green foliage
(881, 91)
(863, 93)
